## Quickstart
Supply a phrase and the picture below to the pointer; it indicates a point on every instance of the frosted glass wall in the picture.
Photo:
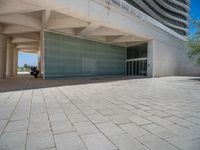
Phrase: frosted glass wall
(74, 57)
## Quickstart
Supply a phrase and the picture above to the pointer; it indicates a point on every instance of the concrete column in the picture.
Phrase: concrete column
(15, 61)
(39, 62)
(10, 58)
(150, 58)
(3, 53)
(41, 56)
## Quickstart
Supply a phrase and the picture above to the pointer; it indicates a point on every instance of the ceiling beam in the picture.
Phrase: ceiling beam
(21, 40)
(46, 14)
(88, 30)
(112, 38)
(67, 22)
(13, 29)
(134, 43)
(128, 38)
(30, 36)
(103, 31)
(27, 45)
(35, 51)
(70, 31)
(16, 6)
(23, 20)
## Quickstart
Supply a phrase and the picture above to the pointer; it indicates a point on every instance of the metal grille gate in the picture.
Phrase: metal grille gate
(136, 67)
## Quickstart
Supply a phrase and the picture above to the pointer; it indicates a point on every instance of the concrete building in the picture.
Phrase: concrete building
(172, 13)
(97, 37)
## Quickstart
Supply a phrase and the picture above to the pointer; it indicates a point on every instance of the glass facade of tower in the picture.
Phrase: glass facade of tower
(172, 13)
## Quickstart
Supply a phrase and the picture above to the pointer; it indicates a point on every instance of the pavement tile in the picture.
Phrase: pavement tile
(141, 112)
(179, 121)
(2, 125)
(98, 142)
(109, 128)
(139, 120)
(159, 131)
(159, 120)
(180, 141)
(20, 116)
(193, 120)
(39, 126)
(69, 141)
(134, 130)
(77, 118)
(40, 140)
(16, 126)
(159, 113)
(97, 118)
(177, 129)
(84, 128)
(62, 127)
(106, 112)
(117, 119)
(155, 143)
(58, 117)
(13, 140)
(126, 142)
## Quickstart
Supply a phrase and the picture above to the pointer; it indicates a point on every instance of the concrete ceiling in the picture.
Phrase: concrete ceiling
(23, 22)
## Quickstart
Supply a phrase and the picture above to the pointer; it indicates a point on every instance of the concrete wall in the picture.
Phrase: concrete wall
(70, 56)
(172, 59)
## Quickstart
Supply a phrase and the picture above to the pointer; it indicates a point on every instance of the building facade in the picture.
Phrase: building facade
(172, 13)
(78, 38)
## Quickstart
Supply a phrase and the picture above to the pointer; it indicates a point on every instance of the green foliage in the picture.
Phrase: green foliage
(194, 41)
(25, 68)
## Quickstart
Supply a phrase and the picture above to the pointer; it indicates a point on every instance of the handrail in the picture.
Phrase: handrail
(144, 17)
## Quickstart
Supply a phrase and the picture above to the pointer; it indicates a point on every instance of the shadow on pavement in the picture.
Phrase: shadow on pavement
(25, 82)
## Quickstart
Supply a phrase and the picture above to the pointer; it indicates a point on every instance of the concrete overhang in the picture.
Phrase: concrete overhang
(91, 19)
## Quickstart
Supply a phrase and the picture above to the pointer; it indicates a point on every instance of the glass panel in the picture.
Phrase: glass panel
(135, 67)
(139, 51)
(130, 68)
(145, 68)
(67, 56)
(127, 68)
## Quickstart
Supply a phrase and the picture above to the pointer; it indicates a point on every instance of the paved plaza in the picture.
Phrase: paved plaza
(100, 114)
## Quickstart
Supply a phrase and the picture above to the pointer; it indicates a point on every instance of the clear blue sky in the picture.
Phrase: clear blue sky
(31, 59)
(194, 12)
(195, 9)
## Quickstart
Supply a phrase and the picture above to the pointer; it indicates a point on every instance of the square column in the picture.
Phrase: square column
(41, 64)
(10, 58)
(150, 58)
(15, 61)
(3, 54)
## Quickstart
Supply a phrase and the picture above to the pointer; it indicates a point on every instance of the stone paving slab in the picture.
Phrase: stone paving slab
(100, 114)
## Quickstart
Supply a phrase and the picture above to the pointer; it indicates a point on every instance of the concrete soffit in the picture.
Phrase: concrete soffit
(23, 21)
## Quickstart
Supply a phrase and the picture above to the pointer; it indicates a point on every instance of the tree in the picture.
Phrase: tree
(194, 41)
(25, 65)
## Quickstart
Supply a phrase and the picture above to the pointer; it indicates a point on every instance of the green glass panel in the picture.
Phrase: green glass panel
(74, 57)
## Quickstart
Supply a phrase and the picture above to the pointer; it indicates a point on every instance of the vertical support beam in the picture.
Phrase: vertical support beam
(10, 60)
(125, 63)
(150, 58)
(41, 55)
(3, 54)
(39, 61)
(45, 18)
(15, 61)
